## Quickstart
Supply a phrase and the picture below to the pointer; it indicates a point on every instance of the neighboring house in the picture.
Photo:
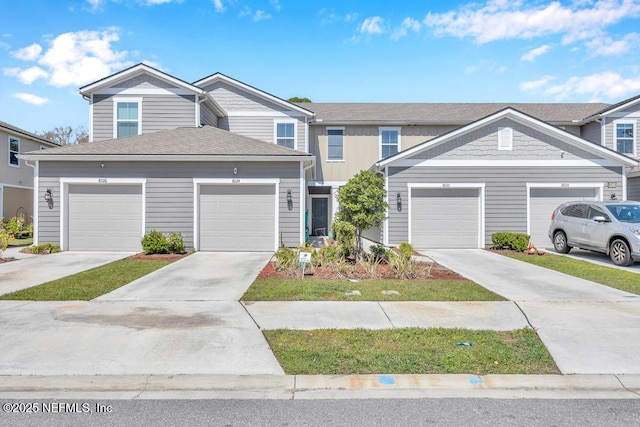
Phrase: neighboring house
(232, 167)
(16, 177)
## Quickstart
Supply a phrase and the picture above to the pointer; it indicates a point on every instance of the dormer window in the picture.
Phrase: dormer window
(127, 117)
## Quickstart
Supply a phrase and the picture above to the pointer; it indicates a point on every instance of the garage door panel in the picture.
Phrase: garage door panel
(445, 218)
(237, 217)
(104, 217)
(543, 201)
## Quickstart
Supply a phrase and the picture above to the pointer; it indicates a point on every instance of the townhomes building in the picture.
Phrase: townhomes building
(232, 167)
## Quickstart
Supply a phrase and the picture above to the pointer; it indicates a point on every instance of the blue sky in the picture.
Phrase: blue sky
(328, 51)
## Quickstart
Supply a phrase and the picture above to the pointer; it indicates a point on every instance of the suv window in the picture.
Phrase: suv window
(625, 213)
(594, 212)
(577, 211)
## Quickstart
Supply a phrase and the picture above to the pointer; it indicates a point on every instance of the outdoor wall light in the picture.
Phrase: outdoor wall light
(235, 171)
(289, 200)
(613, 196)
(399, 202)
(48, 195)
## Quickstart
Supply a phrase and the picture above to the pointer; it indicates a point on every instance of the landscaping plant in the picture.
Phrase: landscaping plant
(155, 242)
(509, 240)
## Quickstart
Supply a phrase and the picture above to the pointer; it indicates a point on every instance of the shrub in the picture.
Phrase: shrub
(508, 240)
(175, 243)
(154, 242)
(401, 262)
(286, 259)
(15, 226)
(345, 236)
(44, 248)
(379, 253)
(4, 240)
(327, 255)
(405, 250)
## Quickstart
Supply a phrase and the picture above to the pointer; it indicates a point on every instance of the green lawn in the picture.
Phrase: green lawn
(272, 289)
(410, 351)
(609, 276)
(89, 284)
(21, 242)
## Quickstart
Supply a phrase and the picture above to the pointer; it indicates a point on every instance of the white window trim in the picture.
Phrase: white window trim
(635, 136)
(505, 139)
(335, 160)
(9, 151)
(380, 129)
(116, 100)
(295, 131)
(197, 182)
(445, 186)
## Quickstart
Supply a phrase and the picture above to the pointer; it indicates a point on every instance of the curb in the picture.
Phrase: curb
(301, 387)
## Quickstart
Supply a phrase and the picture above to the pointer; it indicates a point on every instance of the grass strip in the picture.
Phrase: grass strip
(272, 289)
(21, 242)
(410, 351)
(609, 276)
(89, 284)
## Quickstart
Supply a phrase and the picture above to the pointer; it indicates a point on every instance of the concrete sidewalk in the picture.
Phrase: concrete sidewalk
(36, 269)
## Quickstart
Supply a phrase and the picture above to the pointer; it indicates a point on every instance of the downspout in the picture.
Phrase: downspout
(36, 190)
(603, 142)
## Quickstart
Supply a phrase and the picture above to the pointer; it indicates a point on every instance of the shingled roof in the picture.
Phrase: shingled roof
(201, 141)
(445, 113)
(16, 129)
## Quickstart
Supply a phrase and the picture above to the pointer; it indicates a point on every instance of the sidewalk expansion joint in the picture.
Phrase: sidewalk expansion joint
(524, 314)
(625, 387)
(386, 315)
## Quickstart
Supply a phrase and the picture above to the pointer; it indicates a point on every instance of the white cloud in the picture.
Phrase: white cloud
(329, 17)
(261, 15)
(218, 5)
(75, 58)
(606, 46)
(372, 25)
(607, 85)
(30, 98)
(96, 4)
(27, 75)
(503, 20)
(534, 53)
(408, 24)
(536, 84)
(29, 53)
(276, 4)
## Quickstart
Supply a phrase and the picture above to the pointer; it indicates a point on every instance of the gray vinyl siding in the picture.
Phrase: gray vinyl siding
(231, 98)
(169, 191)
(207, 116)
(592, 132)
(145, 81)
(505, 191)
(262, 128)
(49, 219)
(528, 143)
(159, 112)
(374, 234)
(633, 189)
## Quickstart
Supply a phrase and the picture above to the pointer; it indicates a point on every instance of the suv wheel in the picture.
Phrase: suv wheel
(560, 242)
(619, 253)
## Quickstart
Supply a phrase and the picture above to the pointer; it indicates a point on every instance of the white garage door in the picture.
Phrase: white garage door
(105, 217)
(237, 218)
(543, 201)
(445, 218)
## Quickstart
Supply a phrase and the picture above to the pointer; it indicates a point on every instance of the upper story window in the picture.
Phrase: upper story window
(14, 150)
(127, 117)
(389, 142)
(336, 144)
(625, 137)
(286, 134)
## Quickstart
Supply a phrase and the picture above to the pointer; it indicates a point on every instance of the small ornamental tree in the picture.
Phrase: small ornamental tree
(362, 204)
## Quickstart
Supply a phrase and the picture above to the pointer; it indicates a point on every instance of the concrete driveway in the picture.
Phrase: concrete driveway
(182, 319)
(34, 270)
(587, 327)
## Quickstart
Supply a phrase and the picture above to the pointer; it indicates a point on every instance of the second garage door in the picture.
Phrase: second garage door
(104, 217)
(543, 201)
(445, 218)
(237, 218)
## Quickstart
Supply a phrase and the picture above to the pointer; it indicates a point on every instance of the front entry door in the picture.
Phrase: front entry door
(319, 216)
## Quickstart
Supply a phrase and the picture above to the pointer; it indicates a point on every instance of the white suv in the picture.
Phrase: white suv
(612, 228)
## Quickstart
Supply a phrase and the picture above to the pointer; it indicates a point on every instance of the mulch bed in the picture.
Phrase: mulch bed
(357, 272)
(159, 257)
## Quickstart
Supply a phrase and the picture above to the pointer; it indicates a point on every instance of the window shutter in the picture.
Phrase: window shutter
(505, 139)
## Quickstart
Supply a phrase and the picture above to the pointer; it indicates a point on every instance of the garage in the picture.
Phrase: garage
(105, 217)
(445, 217)
(237, 217)
(543, 201)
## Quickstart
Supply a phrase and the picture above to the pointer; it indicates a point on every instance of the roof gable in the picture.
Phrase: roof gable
(516, 116)
(16, 130)
(622, 105)
(217, 77)
(136, 70)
